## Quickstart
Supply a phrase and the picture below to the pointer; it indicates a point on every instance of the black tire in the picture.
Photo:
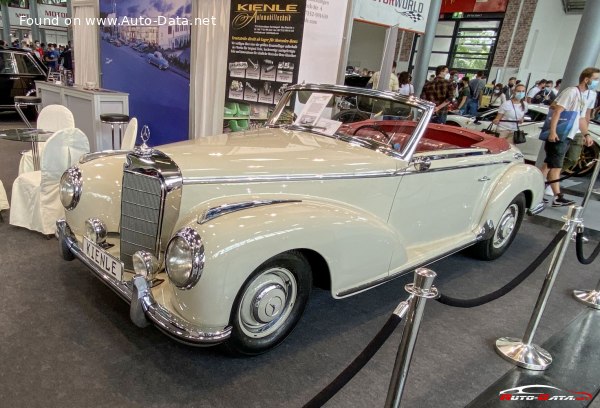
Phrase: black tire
(284, 282)
(505, 231)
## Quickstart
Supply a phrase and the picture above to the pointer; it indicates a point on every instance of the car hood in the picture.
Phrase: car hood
(274, 152)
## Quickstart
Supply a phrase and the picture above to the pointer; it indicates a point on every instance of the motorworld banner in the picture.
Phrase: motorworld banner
(265, 40)
(410, 15)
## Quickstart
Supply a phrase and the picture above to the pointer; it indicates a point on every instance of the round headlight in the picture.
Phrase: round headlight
(70, 188)
(184, 258)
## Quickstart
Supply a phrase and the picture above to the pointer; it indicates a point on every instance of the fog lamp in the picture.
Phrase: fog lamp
(145, 264)
(95, 231)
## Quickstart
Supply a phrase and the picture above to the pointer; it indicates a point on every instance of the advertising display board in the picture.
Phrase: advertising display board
(265, 42)
(145, 51)
(408, 15)
(322, 41)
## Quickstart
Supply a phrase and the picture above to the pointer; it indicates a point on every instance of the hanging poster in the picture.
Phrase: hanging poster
(265, 40)
(322, 41)
(145, 51)
(408, 15)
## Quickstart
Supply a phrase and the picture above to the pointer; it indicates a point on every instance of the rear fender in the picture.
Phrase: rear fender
(517, 179)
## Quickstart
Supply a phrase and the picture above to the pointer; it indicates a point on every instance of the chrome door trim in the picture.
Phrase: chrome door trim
(465, 166)
(216, 212)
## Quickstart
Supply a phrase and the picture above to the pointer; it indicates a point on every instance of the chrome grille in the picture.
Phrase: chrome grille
(141, 211)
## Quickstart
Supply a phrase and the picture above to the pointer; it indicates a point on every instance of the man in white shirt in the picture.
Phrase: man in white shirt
(571, 99)
(576, 146)
(535, 90)
(556, 89)
(394, 84)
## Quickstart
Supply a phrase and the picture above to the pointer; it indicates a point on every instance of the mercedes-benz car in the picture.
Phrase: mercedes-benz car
(534, 119)
(19, 69)
(222, 238)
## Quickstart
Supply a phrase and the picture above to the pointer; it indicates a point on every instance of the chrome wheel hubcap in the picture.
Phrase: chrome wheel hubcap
(267, 302)
(506, 226)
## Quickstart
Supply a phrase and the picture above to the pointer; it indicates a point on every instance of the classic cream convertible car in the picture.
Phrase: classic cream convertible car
(221, 239)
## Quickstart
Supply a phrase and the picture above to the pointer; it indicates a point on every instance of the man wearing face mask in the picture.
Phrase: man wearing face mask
(441, 92)
(508, 88)
(571, 99)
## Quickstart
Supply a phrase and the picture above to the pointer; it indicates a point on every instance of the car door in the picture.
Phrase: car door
(28, 72)
(8, 78)
(438, 209)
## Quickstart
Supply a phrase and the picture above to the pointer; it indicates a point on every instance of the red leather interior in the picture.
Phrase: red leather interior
(436, 137)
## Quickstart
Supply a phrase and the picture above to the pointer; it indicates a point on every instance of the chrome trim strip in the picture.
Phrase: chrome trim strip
(465, 166)
(215, 212)
(537, 209)
(166, 321)
(98, 155)
(297, 177)
(388, 278)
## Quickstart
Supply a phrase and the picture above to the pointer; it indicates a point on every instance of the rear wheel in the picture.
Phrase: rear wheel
(585, 163)
(270, 304)
(504, 232)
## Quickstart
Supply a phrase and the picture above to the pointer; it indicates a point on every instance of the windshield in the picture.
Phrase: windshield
(380, 121)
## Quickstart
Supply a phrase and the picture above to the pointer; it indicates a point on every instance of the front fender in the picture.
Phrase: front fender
(517, 179)
(356, 246)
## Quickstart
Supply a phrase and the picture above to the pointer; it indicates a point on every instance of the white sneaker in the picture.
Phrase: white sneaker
(548, 191)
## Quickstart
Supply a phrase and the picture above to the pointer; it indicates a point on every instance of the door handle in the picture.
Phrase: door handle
(484, 178)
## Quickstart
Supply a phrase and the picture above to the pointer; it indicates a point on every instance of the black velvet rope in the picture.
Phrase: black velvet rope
(568, 176)
(579, 250)
(355, 366)
(467, 303)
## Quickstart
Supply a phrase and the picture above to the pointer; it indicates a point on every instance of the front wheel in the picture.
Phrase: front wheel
(504, 232)
(270, 304)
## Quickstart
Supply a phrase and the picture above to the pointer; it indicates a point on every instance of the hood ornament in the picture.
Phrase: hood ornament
(144, 149)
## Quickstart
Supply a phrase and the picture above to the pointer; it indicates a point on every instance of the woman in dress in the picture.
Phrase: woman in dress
(511, 113)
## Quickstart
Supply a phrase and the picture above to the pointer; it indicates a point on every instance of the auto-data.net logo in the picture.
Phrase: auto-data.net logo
(537, 392)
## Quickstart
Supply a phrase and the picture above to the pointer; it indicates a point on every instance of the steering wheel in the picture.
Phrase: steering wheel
(374, 127)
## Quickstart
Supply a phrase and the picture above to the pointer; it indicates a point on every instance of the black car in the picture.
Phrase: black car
(19, 69)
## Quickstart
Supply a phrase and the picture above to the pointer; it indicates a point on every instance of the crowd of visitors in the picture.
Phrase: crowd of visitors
(53, 56)
(463, 95)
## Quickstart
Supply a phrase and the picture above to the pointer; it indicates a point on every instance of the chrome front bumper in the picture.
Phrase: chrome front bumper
(143, 308)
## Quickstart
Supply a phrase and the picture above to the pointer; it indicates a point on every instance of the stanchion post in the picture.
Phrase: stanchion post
(524, 353)
(421, 289)
(589, 298)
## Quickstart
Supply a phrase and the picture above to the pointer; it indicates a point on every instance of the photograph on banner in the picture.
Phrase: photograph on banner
(407, 15)
(265, 42)
(145, 51)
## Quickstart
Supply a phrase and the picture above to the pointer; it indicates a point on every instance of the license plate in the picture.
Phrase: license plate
(103, 259)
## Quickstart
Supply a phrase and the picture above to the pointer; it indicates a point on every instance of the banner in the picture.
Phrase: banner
(145, 51)
(265, 40)
(474, 6)
(410, 15)
(322, 41)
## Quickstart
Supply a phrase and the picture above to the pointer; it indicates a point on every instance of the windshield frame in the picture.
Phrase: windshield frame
(407, 151)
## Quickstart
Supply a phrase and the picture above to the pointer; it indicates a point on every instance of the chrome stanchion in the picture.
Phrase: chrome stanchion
(590, 298)
(524, 353)
(421, 289)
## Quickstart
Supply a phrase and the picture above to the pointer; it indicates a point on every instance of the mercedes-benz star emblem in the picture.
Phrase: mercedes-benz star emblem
(145, 135)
